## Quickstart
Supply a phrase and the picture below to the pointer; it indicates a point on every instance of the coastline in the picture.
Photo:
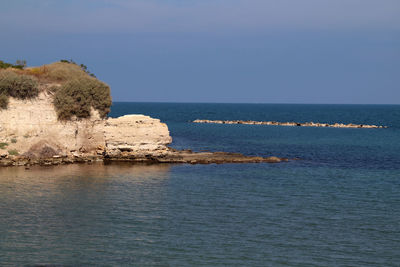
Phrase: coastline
(32, 134)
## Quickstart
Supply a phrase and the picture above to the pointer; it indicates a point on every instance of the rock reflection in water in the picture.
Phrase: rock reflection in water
(96, 170)
(47, 212)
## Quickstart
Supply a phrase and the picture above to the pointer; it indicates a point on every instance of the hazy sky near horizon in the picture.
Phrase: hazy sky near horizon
(253, 51)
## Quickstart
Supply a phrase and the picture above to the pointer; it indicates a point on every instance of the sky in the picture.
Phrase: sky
(224, 51)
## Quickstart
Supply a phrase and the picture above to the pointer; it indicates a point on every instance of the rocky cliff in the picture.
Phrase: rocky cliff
(30, 128)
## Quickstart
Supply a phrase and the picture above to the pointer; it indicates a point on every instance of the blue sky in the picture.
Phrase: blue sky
(254, 51)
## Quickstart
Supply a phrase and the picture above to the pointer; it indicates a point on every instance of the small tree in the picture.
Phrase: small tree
(21, 63)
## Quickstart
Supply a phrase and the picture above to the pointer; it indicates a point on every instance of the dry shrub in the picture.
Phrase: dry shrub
(42, 149)
(78, 96)
(36, 71)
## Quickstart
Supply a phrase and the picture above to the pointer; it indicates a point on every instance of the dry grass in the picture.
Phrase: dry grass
(56, 72)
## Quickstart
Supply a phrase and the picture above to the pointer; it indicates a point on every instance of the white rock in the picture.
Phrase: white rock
(35, 121)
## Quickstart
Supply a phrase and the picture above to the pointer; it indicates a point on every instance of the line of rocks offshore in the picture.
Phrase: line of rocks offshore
(305, 124)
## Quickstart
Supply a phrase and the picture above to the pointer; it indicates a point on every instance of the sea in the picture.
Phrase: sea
(336, 203)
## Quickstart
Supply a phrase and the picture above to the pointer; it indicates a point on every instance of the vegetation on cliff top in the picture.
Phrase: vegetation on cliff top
(20, 64)
(77, 96)
(20, 86)
(76, 91)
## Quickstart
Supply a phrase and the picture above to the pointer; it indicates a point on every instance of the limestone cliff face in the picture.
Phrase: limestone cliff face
(31, 128)
(135, 133)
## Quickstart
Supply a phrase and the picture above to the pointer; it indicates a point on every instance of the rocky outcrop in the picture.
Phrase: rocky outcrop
(30, 133)
(30, 129)
(306, 124)
(136, 134)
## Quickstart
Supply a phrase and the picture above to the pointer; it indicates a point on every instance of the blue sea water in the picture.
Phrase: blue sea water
(338, 205)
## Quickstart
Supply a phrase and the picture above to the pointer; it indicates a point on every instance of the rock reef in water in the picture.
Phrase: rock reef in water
(306, 124)
(30, 133)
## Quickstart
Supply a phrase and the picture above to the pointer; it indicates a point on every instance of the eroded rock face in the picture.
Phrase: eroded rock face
(30, 128)
(135, 134)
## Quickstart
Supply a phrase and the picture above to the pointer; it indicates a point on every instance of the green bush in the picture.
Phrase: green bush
(13, 152)
(3, 101)
(3, 145)
(20, 64)
(78, 96)
(17, 85)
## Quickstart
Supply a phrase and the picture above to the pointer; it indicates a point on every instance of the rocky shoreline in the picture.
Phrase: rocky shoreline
(32, 134)
(306, 124)
(171, 156)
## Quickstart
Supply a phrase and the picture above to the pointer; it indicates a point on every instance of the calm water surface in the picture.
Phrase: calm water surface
(337, 206)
